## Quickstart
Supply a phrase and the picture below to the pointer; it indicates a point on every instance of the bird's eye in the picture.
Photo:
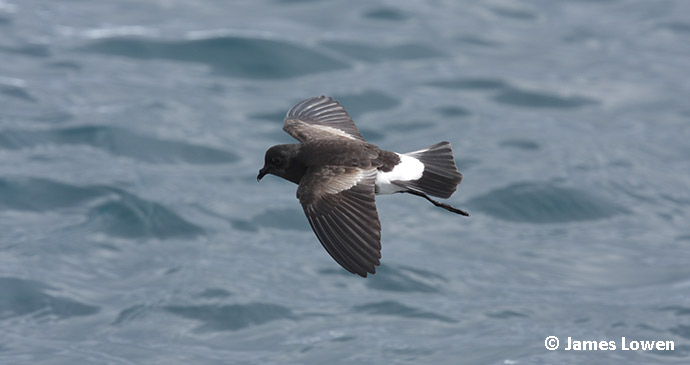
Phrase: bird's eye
(276, 160)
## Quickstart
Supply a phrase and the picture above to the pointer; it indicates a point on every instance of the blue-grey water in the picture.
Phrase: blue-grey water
(133, 231)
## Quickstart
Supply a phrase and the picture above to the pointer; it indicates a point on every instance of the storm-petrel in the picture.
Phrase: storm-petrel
(338, 173)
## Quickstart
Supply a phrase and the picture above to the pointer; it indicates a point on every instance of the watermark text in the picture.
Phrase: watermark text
(553, 343)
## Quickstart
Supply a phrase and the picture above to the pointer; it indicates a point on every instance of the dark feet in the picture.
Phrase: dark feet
(439, 204)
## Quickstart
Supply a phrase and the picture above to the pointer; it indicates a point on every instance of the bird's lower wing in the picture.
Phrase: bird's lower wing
(339, 204)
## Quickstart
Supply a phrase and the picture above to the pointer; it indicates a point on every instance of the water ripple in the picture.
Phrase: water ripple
(536, 202)
(290, 219)
(31, 50)
(407, 51)
(405, 279)
(681, 330)
(215, 293)
(36, 194)
(119, 142)
(506, 314)
(393, 308)
(470, 84)
(21, 297)
(678, 27)
(514, 13)
(521, 144)
(122, 214)
(231, 317)
(129, 216)
(479, 41)
(511, 95)
(16, 92)
(453, 111)
(229, 55)
(129, 314)
(385, 13)
(534, 99)
(677, 310)
(367, 101)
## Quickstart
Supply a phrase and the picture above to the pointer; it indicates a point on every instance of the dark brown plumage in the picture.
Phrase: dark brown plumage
(339, 173)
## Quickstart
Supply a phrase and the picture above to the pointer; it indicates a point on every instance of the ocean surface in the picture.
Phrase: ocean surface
(133, 231)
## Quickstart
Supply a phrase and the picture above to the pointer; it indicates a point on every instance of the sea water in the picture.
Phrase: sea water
(133, 231)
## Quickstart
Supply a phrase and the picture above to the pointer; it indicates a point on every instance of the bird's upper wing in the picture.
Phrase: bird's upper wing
(339, 204)
(320, 118)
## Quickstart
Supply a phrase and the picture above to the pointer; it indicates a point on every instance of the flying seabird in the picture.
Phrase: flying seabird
(338, 173)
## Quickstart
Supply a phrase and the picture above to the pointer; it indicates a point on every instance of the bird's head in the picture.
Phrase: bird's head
(281, 161)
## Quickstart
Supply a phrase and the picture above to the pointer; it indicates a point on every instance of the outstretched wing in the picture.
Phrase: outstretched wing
(340, 206)
(320, 118)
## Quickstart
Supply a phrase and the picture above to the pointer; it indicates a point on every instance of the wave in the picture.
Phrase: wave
(118, 142)
(234, 56)
(22, 297)
(537, 202)
(121, 214)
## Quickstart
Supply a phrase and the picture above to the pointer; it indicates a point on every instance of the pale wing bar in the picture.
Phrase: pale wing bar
(320, 118)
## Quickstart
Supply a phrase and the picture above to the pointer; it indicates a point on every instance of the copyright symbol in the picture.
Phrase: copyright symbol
(551, 343)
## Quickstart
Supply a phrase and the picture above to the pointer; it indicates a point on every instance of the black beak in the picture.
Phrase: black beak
(262, 173)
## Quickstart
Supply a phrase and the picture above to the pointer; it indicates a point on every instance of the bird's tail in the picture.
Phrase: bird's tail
(440, 177)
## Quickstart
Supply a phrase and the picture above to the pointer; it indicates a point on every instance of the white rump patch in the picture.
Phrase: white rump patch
(408, 169)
